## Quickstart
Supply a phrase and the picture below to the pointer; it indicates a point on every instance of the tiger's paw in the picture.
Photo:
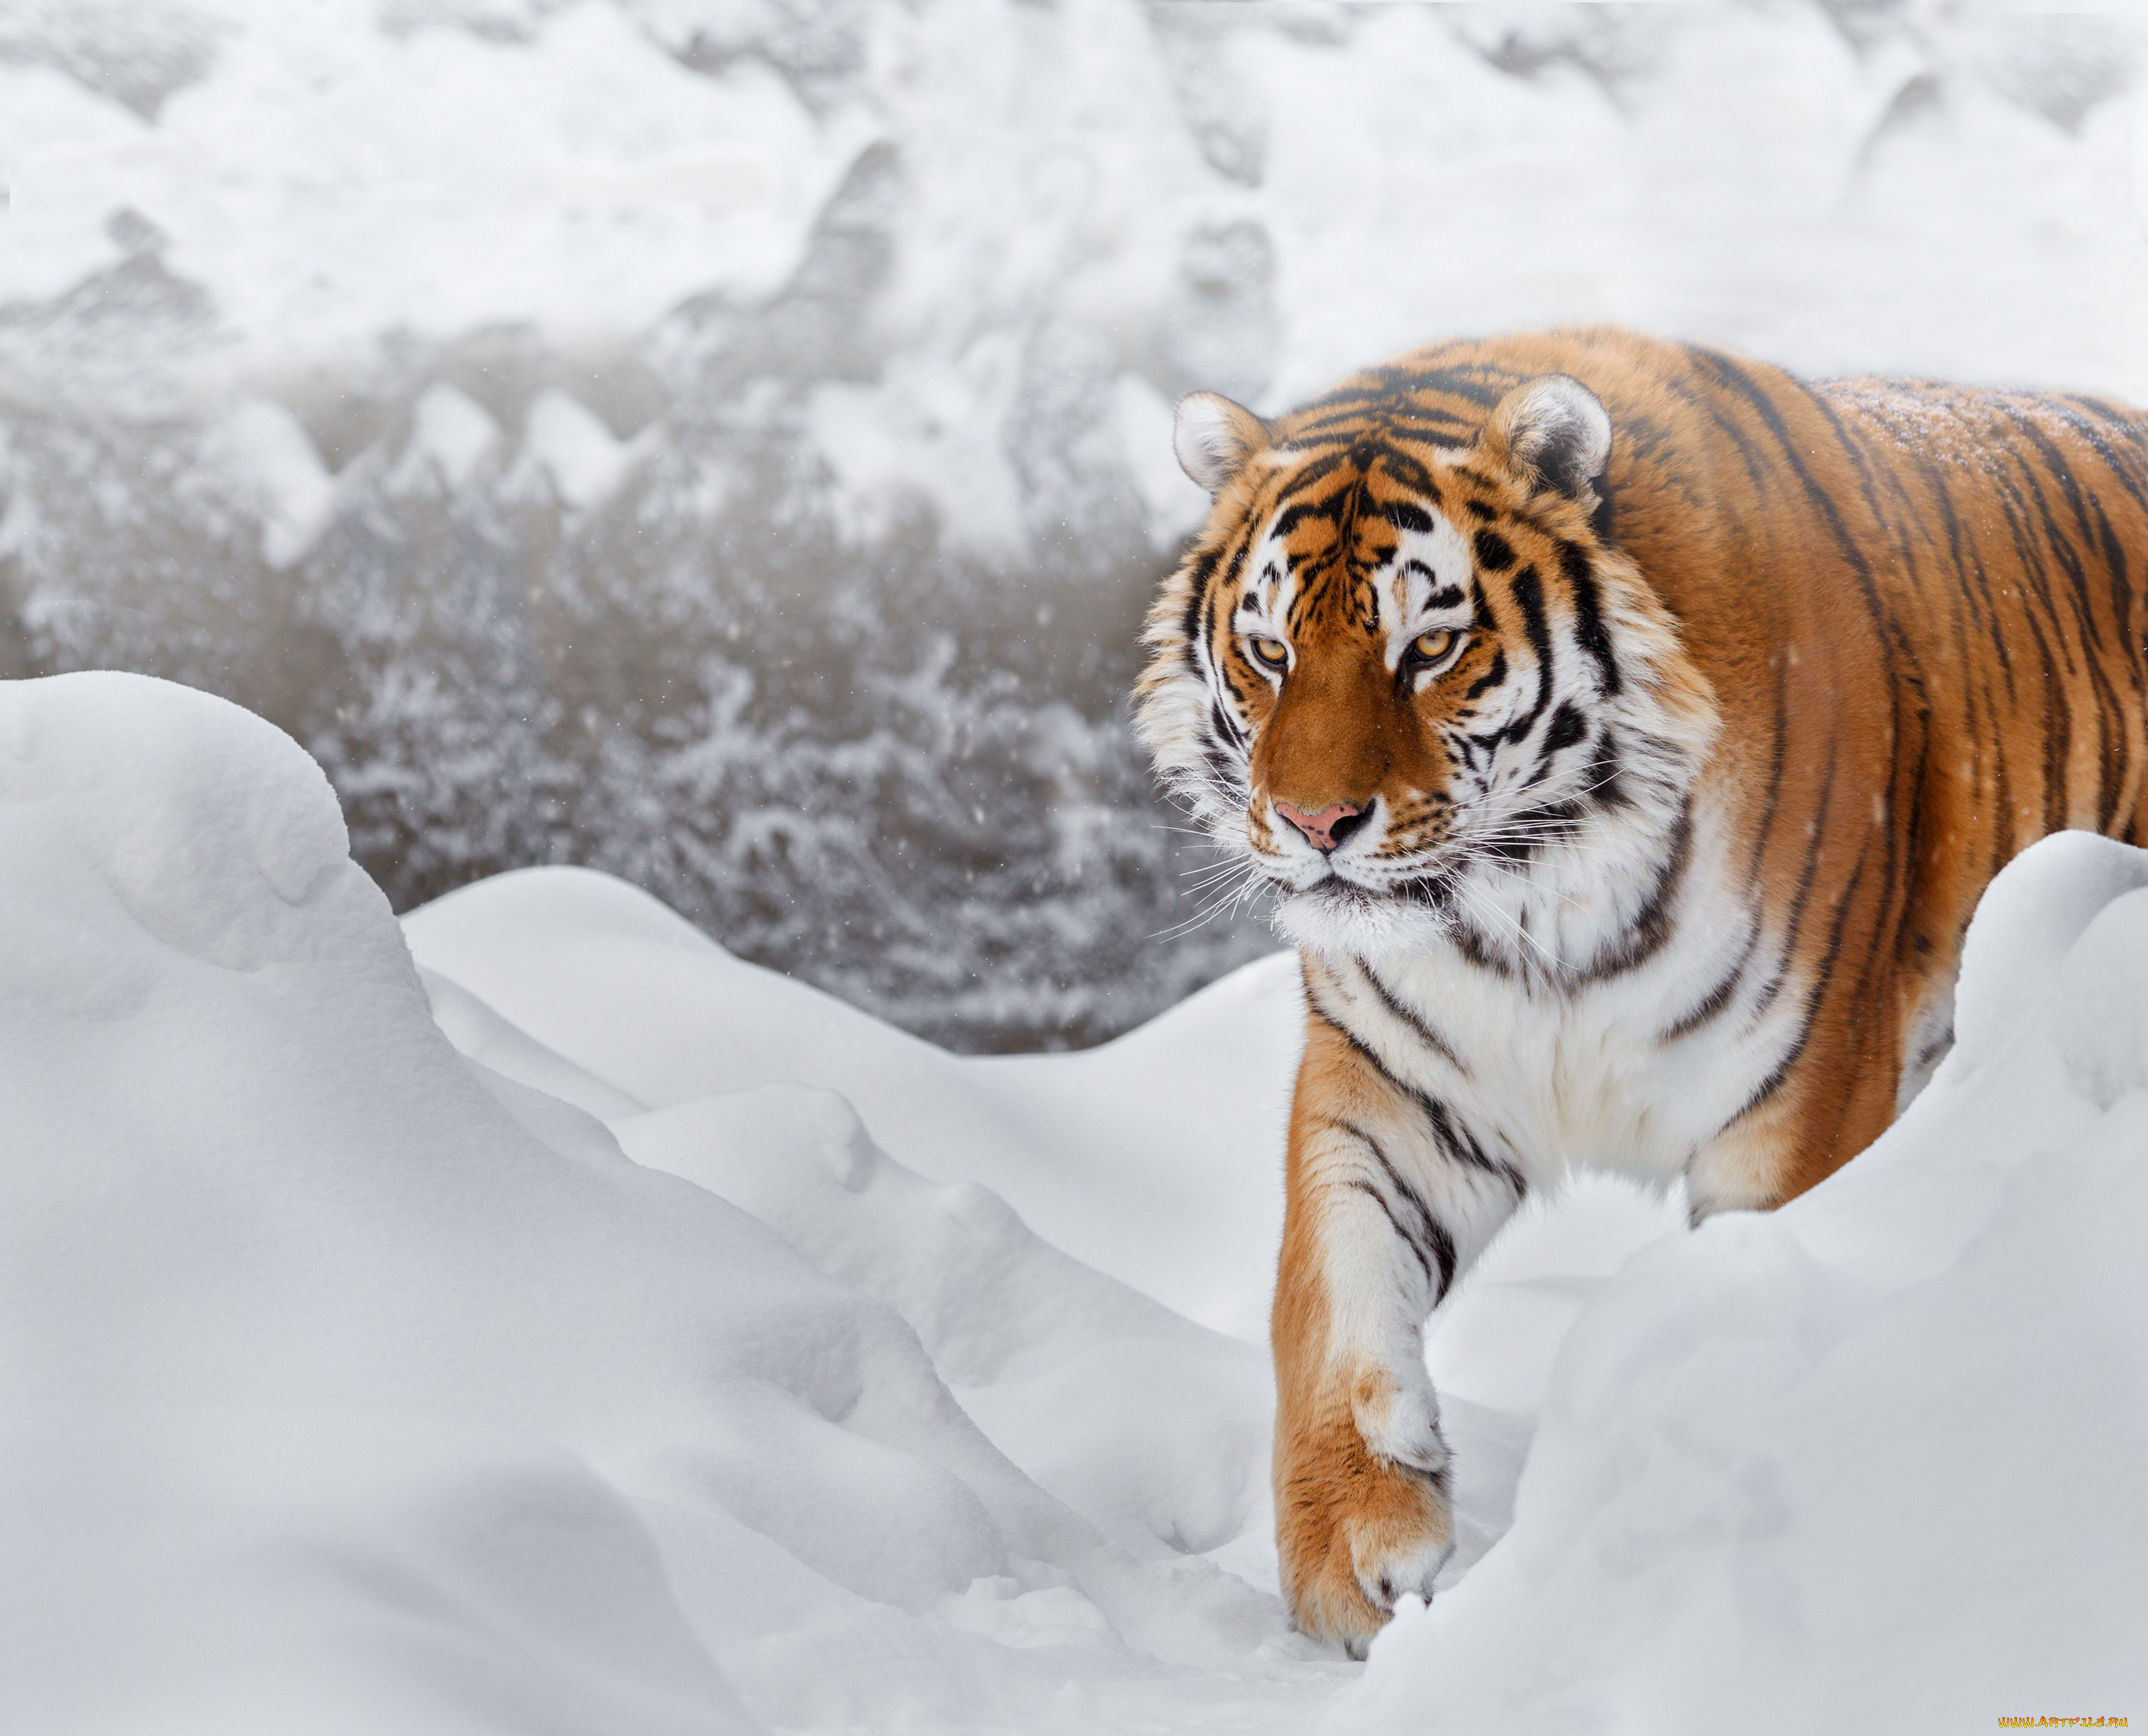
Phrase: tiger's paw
(1356, 1528)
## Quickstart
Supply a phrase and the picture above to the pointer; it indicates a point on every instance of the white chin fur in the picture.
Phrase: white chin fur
(1362, 926)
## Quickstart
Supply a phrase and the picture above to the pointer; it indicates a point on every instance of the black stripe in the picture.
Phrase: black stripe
(1778, 752)
(1461, 1144)
(2038, 609)
(1718, 998)
(1406, 471)
(1569, 728)
(1365, 1051)
(1476, 947)
(1728, 371)
(1199, 570)
(1455, 1141)
(1435, 1233)
(2082, 415)
(1589, 626)
(1789, 955)
(1528, 595)
(1606, 786)
(1492, 677)
(1645, 935)
(1407, 1015)
(1362, 1186)
(1767, 1087)
(2119, 569)
(1547, 823)
(1298, 512)
(1814, 996)
(2108, 710)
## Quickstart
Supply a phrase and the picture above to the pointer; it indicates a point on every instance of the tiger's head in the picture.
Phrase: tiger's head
(1413, 684)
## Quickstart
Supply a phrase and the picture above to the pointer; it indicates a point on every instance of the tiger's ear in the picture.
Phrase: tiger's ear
(1214, 438)
(1552, 431)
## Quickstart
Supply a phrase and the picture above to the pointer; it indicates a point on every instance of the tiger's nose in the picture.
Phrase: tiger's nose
(1328, 828)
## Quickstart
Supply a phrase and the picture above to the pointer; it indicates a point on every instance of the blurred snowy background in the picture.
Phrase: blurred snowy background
(725, 442)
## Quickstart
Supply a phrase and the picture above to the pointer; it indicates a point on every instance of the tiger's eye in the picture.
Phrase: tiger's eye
(1274, 652)
(1433, 646)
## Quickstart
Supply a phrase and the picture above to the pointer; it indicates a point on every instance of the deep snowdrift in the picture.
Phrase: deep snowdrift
(355, 1382)
(351, 1386)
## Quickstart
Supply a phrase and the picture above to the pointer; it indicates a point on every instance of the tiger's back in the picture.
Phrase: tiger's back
(1630, 730)
(1969, 669)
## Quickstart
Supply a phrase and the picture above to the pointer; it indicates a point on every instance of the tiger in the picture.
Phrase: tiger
(1626, 730)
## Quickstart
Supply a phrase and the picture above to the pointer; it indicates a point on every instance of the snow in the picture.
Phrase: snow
(540, 1319)
(401, 1392)
(333, 173)
(265, 452)
(579, 1329)
(1067, 1138)
(1174, 504)
(333, 179)
(580, 457)
(451, 433)
(435, 377)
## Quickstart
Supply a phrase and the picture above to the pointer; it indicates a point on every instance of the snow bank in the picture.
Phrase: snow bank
(1155, 1158)
(353, 1387)
(1872, 1462)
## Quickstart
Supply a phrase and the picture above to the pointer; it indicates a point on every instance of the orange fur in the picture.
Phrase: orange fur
(1857, 643)
(1342, 1513)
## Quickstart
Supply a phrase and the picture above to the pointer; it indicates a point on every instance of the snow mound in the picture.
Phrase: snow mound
(1871, 1461)
(1156, 1158)
(352, 1386)
(1154, 1429)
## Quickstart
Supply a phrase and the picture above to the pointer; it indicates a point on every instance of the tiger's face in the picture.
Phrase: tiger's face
(1405, 680)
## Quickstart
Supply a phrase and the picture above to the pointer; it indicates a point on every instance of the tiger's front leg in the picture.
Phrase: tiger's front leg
(1387, 1199)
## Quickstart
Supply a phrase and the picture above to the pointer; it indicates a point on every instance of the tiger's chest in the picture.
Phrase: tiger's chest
(1632, 1069)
